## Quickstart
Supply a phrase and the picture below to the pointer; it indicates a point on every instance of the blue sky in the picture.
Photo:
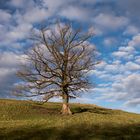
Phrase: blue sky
(116, 24)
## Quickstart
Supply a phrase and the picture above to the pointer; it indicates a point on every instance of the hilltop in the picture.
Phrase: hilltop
(23, 120)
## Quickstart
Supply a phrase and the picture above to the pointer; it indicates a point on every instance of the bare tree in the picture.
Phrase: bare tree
(58, 63)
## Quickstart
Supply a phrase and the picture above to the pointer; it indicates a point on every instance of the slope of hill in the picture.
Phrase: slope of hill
(26, 120)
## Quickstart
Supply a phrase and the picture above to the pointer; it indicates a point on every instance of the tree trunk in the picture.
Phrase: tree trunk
(65, 107)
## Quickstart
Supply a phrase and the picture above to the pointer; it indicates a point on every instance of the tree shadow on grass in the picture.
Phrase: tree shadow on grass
(75, 110)
(92, 110)
(75, 132)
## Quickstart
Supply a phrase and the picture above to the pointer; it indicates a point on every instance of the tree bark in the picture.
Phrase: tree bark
(65, 107)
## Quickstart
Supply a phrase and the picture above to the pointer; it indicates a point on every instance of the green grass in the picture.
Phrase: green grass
(26, 120)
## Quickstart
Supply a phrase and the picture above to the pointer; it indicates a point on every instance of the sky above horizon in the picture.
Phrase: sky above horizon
(116, 24)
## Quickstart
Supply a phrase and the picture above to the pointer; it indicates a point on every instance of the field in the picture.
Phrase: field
(27, 120)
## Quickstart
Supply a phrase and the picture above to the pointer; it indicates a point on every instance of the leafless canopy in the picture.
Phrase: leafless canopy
(58, 63)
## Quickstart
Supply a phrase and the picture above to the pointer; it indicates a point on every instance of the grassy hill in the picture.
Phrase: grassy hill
(26, 120)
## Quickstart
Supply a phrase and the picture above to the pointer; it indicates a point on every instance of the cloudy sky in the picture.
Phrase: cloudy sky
(116, 24)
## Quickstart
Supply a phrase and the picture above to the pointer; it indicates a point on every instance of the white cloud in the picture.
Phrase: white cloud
(127, 88)
(131, 84)
(19, 32)
(111, 68)
(4, 72)
(120, 54)
(137, 59)
(35, 14)
(110, 22)
(123, 76)
(23, 5)
(110, 41)
(74, 13)
(9, 63)
(131, 9)
(135, 41)
(4, 16)
(101, 65)
(131, 30)
(128, 49)
(17, 3)
(96, 73)
(53, 4)
(98, 31)
(132, 66)
(10, 60)
(125, 52)
(27, 15)
(89, 1)
(132, 103)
